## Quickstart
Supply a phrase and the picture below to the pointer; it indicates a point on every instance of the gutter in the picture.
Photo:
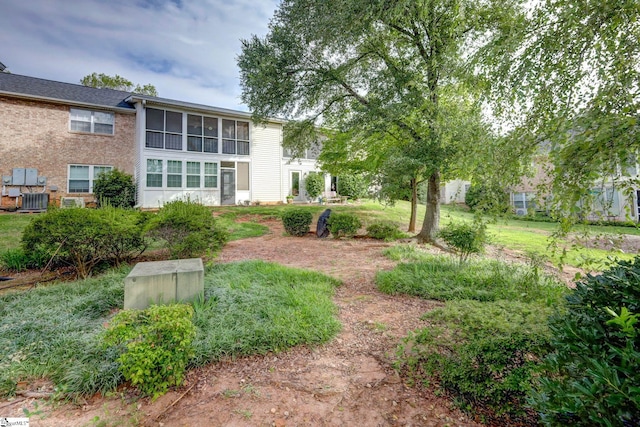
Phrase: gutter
(67, 102)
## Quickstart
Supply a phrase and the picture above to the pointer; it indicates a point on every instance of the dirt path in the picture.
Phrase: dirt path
(347, 382)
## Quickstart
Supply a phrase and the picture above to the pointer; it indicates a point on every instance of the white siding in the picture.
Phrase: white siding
(266, 163)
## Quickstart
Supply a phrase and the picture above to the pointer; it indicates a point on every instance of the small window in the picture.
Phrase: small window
(242, 177)
(211, 175)
(154, 173)
(193, 174)
(100, 122)
(81, 177)
(174, 173)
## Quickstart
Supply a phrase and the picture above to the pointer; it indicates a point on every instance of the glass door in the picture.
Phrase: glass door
(228, 189)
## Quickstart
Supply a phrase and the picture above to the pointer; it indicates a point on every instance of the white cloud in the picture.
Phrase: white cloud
(187, 49)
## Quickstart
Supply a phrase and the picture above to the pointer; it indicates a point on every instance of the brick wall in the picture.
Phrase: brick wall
(36, 134)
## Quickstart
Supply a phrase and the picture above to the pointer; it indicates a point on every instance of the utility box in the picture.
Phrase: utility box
(163, 282)
(18, 176)
(31, 176)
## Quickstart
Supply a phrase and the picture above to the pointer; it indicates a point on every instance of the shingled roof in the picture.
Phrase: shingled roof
(34, 88)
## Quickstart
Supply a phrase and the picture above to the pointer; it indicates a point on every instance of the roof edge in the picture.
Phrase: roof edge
(66, 102)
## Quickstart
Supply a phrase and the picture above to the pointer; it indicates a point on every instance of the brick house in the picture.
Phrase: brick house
(57, 137)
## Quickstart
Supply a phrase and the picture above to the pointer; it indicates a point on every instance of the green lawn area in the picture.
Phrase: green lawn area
(11, 226)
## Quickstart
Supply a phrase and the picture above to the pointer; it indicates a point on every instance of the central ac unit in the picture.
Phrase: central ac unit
(521, 212)
(72, 202)
(35, 201)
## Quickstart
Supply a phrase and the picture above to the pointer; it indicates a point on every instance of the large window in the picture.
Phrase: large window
(81, 177)
(164, 129)
(182, 174)
(202, 134)
(235, 137)
(100, 122)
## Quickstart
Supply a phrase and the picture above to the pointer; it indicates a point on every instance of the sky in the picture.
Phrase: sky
(187, 49)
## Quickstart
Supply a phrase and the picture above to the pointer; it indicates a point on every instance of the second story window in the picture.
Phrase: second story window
(100, 122)
(235, 137)
(202, 134)
(164, 129)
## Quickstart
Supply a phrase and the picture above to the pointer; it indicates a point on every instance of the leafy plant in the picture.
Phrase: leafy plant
(353, 186)
(487, 198)
(464, 239)
(314, 184)
(343, 225)
(297, 221)
(188, 229)
(17, 259)
(384, 230)
(155, 345)
(592, 375)
(115, 188)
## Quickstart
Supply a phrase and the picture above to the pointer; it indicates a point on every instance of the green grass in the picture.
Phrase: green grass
(11, 226)
(249, 308)
(443, 278)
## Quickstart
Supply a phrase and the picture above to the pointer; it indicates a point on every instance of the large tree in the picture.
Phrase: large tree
(101, 80)
(370, 67)
(569, 81)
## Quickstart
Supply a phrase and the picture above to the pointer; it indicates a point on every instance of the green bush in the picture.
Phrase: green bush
(314, 184)
(343, 225)
(353, 186)
(85, 238)
(188, 229)
(464, 239)
(155, 345)
(592, 376)
(18, 260)
(115, 188)
(296, 222)
(487, 198)
(384, 230)
(483, 354)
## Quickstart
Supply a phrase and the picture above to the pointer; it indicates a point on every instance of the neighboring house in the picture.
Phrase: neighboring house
(296, 170)
(57, 137)
(454, 191)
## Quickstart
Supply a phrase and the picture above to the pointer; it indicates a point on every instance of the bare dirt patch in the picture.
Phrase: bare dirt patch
(347, 382)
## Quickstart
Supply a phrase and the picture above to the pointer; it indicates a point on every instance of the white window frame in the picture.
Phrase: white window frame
(163, 170)
(91, 176)
(93, 120)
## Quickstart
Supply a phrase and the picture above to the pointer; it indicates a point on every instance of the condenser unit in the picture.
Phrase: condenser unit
(35, 201)
(521, 212)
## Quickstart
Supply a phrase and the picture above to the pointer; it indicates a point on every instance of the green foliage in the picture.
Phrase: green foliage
(115, 188)
(18, 260)
(464, 238)
(314, 184)
(84, 238)
(592, 375)
(297, 221)
(483, 354)
(256, 307)
(155, 345)
(353, 186)
(384, 230)
(440, 278)
(487, 198)
(188, 229)
(343, 224)
(104, 81)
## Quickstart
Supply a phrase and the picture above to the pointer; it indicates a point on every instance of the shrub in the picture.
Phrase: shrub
(84, 238)
(18, 260)
(384, 230)
(592, 376)
(314, 184)
(342, 224)
(188, 229)
(297, 221)
(487, 198)
(115, 188)
(352, 186)
(464, 239)
(155, 345)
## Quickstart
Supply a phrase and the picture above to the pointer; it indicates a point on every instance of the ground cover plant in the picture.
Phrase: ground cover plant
(55, 332)
(484, 345)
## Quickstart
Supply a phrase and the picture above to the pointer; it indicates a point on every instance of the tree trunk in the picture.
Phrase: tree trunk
(414, 206)
(432, 215)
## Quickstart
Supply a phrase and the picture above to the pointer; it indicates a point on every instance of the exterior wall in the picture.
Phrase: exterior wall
(267, 172)
(36, 134)
(304, 166)
(453, 191)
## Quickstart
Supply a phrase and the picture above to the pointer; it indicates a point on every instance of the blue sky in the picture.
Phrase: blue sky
(186, 48)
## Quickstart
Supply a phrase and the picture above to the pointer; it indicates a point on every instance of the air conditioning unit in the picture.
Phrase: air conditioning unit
(521, 212)
(72, 202)
(35, 201)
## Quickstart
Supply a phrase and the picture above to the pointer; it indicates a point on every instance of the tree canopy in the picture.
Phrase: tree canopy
(371, 68)
(100, 80)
